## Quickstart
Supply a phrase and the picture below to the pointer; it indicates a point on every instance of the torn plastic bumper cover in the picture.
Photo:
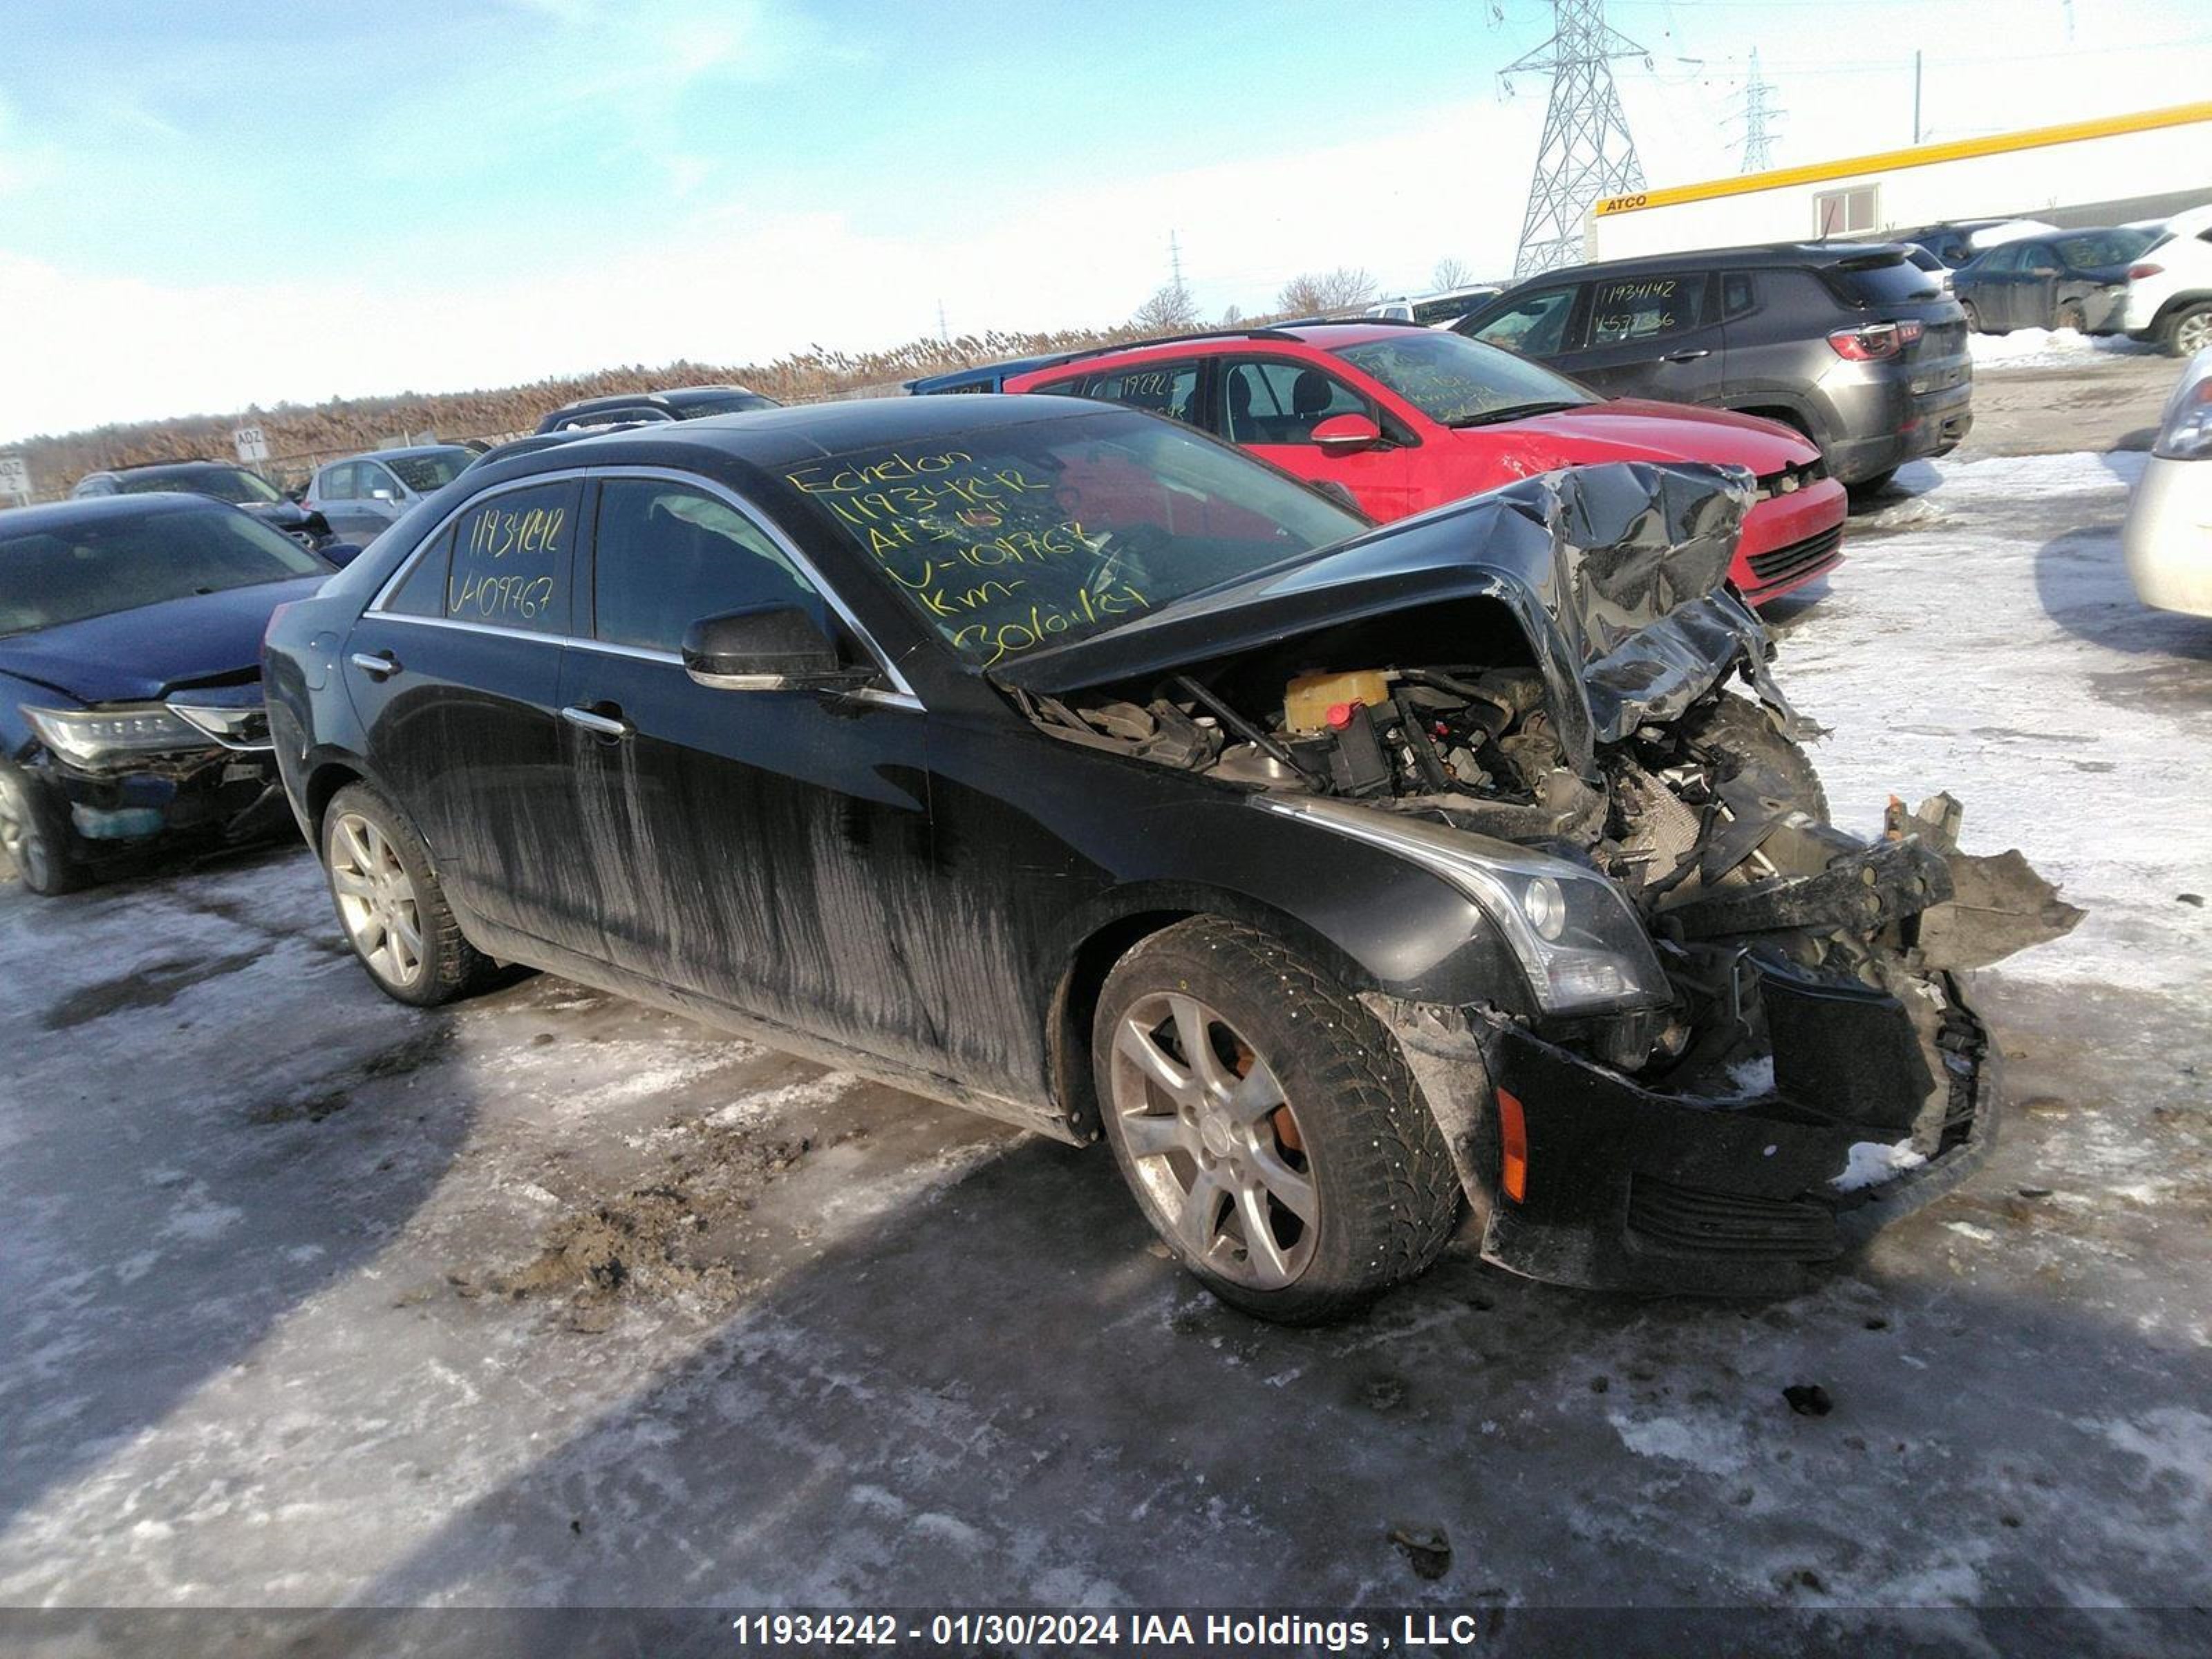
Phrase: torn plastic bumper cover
(1629, 1188)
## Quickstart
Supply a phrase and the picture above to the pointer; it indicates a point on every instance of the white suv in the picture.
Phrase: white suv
(2169, 293)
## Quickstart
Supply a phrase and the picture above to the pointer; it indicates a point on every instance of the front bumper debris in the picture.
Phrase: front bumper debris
(1876, 1108)
(217, 795)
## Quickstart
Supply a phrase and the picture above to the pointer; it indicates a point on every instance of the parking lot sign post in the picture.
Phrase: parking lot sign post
(252, 446)
(15, 480)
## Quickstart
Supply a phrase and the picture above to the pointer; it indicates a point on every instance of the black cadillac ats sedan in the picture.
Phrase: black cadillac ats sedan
(131, 716)
(1057, 760)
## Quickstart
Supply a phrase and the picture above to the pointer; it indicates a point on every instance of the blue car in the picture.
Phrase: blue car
(130, 710)
(984, 377)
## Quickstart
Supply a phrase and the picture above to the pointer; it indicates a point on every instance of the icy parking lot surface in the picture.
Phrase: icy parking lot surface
(309, 1299)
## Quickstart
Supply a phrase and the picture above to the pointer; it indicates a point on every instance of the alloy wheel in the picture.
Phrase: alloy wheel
(376, 899)
(2193, 333)
(1214, 1143)
(20, 839)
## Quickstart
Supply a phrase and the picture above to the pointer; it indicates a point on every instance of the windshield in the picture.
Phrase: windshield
(109, 564)
(226, 484)
(2103, 247)
(1018, 536)
(424, 473)
(1461, 382)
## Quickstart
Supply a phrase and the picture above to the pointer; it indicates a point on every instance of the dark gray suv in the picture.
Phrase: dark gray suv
(1853, 345)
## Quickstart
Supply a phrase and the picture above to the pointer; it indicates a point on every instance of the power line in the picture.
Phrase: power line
(1586, 151)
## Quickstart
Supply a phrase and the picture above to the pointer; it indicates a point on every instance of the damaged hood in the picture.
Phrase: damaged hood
(1617, 573)
(137, 656)
(1628, 428)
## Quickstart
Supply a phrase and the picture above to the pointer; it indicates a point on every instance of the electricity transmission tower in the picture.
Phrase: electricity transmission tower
(1586, 151)
(1757, 141)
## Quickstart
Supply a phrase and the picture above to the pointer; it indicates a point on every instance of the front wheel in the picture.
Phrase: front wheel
(391, 906)
(2070, 315)
(1974, 323)
(1268, 1127)
(32, 837)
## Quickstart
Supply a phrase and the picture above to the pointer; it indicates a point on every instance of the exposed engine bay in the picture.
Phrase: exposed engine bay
(1601, 733)
(1715, 825)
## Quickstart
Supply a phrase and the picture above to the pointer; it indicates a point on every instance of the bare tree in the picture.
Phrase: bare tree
(1339, 290)
(1233, 317)
(1169, 308)
(1451, 273)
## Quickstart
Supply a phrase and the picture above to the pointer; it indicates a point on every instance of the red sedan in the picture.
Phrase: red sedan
(1407, 418)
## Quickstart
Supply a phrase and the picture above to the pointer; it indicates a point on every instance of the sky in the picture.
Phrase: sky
(204, 207)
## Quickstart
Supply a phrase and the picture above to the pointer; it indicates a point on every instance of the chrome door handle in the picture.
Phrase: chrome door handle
(1687, 356)
(599, 725)
(377, 665)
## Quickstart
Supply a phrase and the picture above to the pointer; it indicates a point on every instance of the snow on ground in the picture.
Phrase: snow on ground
(1982, 637)
(2050, 347)
(304, 1299)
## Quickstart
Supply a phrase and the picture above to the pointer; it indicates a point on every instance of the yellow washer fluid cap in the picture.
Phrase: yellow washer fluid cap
(1308, 699)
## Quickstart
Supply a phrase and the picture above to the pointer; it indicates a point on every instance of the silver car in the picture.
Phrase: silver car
(362, 493)
(2167, 541)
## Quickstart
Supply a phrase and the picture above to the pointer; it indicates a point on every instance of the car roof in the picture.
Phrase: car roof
(1766, 256)
(401, 452)
(771, 437)
(152, 467)
(1324, 334)
(92, 509)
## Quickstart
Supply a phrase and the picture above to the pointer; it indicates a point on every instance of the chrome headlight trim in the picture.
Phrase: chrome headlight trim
(1581, 946)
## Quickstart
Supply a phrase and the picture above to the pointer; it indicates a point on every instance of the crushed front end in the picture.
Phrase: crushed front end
(1739, 1038)
(195, 767)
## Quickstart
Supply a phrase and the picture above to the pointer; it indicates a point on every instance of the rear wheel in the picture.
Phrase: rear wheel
(32, 837)
(1266, 1124)
(391, 905)
(2189, 332)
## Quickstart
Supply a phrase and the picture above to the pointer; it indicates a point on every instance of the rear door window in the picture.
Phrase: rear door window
(421, 592)
(1626, 309)
(511, 558)
(666, 555)
(1535, 325)
(1266, 400)
(337, 483)
(1738, 292)
(1169, 389)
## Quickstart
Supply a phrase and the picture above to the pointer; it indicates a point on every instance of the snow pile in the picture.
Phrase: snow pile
(2046, 348)
(1872, 1162)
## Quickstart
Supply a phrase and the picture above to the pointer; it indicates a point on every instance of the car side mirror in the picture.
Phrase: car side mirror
(340, 553)
(778, 647)
(1347, 434)
(382, 495)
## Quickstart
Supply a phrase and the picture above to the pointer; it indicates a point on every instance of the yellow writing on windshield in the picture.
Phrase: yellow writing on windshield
(985, 549)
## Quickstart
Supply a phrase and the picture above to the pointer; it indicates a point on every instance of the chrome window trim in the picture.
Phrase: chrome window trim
(669, 659)
(902, 694)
